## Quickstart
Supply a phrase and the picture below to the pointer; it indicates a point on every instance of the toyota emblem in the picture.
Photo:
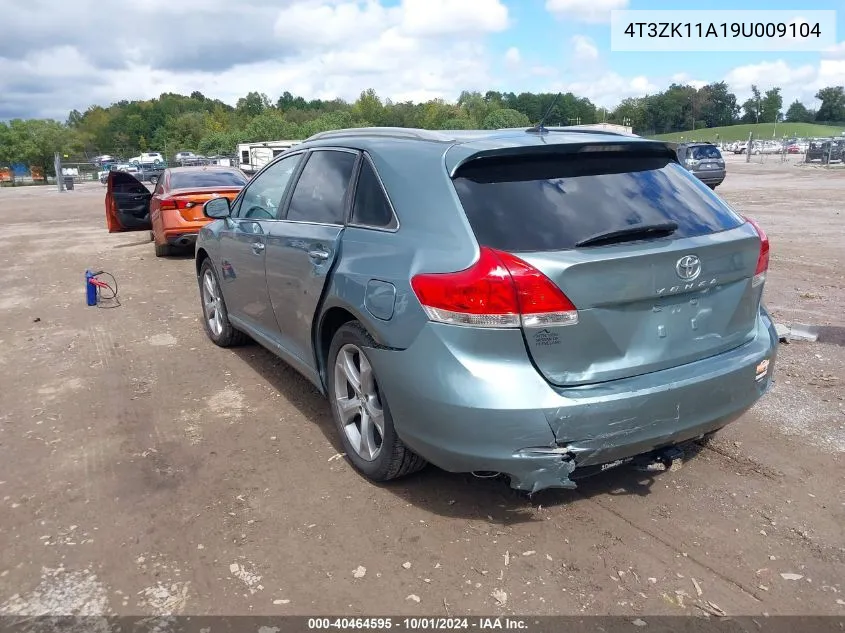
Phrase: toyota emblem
(688, 267)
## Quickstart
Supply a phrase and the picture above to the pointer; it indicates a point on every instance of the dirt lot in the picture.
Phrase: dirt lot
(145, 471)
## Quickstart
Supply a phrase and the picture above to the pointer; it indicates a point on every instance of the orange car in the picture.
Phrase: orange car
(173, 211)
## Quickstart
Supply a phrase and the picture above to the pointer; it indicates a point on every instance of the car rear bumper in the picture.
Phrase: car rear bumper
(469, 404)
(710, 176)
(182, 239)
(177, 231)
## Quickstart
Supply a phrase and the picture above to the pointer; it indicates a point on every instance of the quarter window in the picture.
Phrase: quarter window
(320, 193)
(371, 207)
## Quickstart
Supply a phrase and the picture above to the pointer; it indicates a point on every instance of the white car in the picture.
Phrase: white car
(148, 157)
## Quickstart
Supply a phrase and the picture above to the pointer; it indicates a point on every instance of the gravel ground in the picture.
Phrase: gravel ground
(145, 471)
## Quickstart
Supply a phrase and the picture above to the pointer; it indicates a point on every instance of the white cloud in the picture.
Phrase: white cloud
(592, 11)
(796, 82)
(837, 51)
(419, 49)
(685, 80)
(584, 49)
(449, 17)
(512, 57)
(608, 89)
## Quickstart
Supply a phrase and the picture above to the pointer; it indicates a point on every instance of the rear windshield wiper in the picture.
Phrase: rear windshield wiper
(630, 233)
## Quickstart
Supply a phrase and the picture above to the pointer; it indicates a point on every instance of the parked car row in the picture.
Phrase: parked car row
(826, 151)
(540, 304)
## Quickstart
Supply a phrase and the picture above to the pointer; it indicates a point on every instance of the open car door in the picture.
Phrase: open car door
(127, 203)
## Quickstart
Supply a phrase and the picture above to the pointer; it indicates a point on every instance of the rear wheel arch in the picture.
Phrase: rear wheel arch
(331, 320)
(201, 256)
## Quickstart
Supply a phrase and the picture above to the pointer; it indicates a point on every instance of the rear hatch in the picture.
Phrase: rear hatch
(705, 158)
(660, 269)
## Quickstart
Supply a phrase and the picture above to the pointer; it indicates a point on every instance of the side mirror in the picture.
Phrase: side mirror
(217, 208)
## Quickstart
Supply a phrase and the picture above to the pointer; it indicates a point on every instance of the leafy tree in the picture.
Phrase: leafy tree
(270, 126)
(252, 104)
(505, 118)
(833, 104)
(770, 106)
(369, 107)
(752, 106)
(34, 142)
(798, 113)
(718, 105)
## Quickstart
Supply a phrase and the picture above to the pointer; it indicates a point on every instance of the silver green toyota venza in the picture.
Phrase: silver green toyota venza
(541, 304)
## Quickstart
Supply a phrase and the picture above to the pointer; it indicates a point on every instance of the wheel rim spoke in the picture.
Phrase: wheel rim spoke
(366, 376)
(348, 409)
(376, 415)
(209, 286)
(367, 447)
(350, 371)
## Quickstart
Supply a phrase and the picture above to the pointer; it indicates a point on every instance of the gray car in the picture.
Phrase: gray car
(705, 161)
(541, 305)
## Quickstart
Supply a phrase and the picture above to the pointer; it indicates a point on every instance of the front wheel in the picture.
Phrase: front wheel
(360, 410)
(153, 180)
(215, 316)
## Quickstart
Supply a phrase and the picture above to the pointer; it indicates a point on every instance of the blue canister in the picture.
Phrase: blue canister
(90, 288)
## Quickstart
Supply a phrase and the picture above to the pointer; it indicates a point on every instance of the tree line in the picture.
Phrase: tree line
(174, 122)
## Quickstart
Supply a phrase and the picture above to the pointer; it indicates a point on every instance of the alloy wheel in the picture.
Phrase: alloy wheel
(356, 396)
(212, 303)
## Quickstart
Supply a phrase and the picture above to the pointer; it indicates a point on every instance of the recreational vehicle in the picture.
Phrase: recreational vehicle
(253, 156)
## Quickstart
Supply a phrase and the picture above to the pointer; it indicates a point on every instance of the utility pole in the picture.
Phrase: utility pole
(748, 147)
(57, 165)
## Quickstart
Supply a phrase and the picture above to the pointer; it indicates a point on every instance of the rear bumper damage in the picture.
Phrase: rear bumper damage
(476, 404)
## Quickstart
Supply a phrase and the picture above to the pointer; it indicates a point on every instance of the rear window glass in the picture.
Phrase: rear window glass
(705, 151)
(551, 203)
(211, 178)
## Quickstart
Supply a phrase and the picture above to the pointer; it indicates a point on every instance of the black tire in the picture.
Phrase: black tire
(228, 336)
(153, 180)
(163, 250)
(394, 459)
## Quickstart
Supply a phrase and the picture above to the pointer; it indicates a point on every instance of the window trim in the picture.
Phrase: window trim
(283, 202)
(347, 198)
(394, 224)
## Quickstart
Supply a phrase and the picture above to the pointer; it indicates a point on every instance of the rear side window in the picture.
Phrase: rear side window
(320, 192)
(371, 207)
(537, 203)
(705, 151)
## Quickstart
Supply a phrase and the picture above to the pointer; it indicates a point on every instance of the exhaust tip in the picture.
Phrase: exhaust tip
(485, 474)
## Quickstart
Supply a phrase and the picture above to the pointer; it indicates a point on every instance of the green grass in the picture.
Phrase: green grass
(762, 131)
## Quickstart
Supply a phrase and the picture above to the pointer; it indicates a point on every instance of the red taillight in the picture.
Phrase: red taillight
(173, 205)
(763, 257)
(499, 290)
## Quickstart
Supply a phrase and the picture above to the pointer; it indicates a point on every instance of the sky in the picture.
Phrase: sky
(56, 56)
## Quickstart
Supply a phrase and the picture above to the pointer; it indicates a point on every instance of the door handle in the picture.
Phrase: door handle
(257, 248)
(319, 254)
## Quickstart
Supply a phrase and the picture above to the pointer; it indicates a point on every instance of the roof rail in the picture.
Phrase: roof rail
(388, 132)
(570, 129)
